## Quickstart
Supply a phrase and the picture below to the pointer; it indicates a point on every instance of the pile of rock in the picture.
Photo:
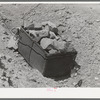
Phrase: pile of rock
(13, 41)
(46, 34)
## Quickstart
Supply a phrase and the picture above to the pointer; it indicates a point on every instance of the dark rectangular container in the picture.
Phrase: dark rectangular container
(49, 66)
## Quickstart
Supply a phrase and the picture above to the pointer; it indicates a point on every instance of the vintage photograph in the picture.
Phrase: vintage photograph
(45, 45)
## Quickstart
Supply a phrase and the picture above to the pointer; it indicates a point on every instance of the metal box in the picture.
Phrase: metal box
(50, 66)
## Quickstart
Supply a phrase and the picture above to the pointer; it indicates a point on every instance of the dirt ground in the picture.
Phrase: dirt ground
(80, 22)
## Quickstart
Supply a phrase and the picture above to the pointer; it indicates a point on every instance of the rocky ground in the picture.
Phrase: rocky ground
(80, 22)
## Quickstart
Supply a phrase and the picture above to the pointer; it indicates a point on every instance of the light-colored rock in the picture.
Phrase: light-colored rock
(66, 38)
(96, 78)
(45, 42)
(59, 45)
(37, 26)
(52, 51)
(97, 20)
(42, 33)
(73, 74)
(12, 43)
(5, 38)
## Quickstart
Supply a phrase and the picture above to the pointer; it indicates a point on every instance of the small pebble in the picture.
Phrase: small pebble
(96, 78)
(4, 78)
(5, 33)
(97, 20)
(52, 51)
(10, 60)
(73, 74)
(79, 83)
(3, 57)
(17, 55)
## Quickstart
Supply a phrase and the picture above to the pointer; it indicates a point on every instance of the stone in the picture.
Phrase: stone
(10, 81)
(4, 78)
(76, 66)
(96, 78)
(79, 84)
(66, 38)
(12, 43)
(59, 45)
(97, 20)
(32, 33)
(9, 58)
(5, 38)
(73, 74)
(2, 56)
(42, 33)
(52, 35)
(45, 42)
(30, 27)
(52, 26)
(55, 30)
(46, 27)
(5, 33)
(48, 23)
(16, 31)
(52, 51)
(37, 26)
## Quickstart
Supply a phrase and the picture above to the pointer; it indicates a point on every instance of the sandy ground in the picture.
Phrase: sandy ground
(79, 22)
